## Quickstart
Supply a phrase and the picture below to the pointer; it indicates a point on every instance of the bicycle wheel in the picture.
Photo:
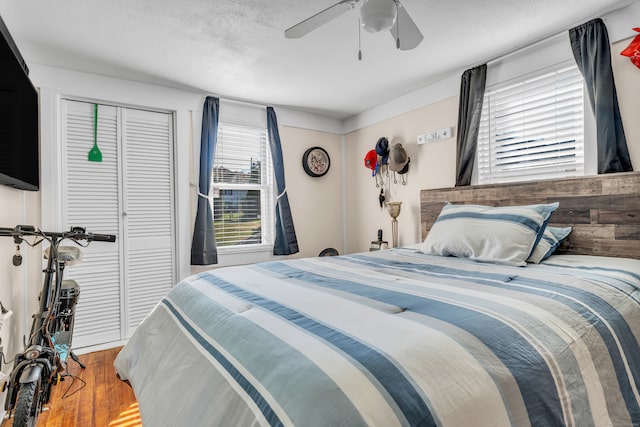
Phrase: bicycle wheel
(28, 406)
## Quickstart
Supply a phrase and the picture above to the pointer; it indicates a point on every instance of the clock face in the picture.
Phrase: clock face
(315, 162)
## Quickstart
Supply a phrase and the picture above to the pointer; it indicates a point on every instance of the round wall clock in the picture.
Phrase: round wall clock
(316, 162)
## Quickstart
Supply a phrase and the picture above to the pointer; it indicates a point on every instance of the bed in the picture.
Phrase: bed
(405, 338)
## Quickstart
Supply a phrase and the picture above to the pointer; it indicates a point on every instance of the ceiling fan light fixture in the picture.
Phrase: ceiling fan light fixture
(378, 15)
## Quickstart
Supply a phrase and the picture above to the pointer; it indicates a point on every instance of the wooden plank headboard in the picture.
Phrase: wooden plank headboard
(603, 210)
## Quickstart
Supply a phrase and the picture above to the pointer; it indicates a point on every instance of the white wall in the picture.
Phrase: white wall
(18, 207)
(44, 209)
(55, 83)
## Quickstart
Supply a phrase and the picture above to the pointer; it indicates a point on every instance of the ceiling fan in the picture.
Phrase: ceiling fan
(375, 16)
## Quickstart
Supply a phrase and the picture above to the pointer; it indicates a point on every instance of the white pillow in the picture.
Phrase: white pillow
(493, 234)
(550, 241)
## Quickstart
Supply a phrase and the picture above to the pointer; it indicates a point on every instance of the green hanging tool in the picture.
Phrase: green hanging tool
(95, 155)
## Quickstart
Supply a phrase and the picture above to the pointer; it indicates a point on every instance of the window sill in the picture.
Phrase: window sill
(245, 249)
(239, 255)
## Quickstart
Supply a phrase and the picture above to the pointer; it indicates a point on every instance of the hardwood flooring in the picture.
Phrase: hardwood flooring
(104, 401)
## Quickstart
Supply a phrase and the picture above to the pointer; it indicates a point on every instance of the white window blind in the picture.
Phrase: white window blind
(533, 129)
(242, 187)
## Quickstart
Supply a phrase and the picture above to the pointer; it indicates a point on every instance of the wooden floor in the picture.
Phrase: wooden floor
(104, 401)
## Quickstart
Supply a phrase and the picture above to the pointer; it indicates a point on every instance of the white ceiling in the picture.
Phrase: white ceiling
(237, 49)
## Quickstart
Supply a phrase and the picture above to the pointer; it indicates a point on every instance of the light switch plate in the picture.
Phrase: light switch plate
(444, 133)
(436, 135)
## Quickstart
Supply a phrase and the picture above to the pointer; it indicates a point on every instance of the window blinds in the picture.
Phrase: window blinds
(241, 190)
(533, 129)
(240, 155)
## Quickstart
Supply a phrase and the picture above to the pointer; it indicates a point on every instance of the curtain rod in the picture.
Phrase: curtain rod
(241, 101)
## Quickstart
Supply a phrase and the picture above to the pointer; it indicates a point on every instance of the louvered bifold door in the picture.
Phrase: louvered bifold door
(148, 211)
(92, 199)
(129, 194)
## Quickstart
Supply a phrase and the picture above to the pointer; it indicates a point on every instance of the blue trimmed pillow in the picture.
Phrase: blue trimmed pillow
(504, 235)
(551, 239)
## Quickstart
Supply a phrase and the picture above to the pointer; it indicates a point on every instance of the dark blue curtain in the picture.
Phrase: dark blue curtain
(286, 242)
(472, 85)
(203, 247)
(590, 45)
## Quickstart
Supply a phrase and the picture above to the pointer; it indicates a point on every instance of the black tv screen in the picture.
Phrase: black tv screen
(19, 151)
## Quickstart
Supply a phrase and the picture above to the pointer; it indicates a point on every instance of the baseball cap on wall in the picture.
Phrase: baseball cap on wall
(382, 150)
(371, 159)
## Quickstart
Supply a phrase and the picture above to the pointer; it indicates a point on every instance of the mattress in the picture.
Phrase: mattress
(393, 338)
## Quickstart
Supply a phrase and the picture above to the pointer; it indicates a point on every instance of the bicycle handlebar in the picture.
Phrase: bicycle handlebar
(102, 237)
(76, 233)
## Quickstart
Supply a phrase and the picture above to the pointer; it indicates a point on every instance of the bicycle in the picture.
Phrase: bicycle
(44, 360)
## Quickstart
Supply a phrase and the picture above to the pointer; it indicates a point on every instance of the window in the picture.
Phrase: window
(242, 187)
(533, 129)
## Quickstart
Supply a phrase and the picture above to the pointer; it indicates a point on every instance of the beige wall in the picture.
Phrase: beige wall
(316, 203)
(431, 167)
(627, 77)
(433, 164)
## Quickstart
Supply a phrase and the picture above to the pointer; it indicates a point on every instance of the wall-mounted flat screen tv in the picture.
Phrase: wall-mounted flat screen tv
(19, 151)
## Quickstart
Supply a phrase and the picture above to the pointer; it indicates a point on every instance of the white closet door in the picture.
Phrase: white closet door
(149, 211)
(92, 198)
(129, 194)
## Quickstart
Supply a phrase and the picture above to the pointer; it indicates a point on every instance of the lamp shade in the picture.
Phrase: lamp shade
(378, 15)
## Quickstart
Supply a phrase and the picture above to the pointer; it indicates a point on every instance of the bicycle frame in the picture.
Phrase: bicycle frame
(36, 361)
(40, 366)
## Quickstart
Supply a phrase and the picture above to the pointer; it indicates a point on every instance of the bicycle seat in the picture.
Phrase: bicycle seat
(70, 255)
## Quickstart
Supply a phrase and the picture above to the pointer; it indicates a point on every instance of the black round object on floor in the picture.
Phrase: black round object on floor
(329, 252)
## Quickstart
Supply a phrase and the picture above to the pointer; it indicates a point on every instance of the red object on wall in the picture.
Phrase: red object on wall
(633, 51)
(371, 159)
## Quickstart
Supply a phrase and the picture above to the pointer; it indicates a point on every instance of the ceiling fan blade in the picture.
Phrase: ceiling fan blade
(319, 19)
(410, 36)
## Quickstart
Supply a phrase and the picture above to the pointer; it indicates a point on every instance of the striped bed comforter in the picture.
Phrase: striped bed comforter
(393, 338)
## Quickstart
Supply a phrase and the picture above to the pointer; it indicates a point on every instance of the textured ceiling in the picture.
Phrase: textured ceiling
(237, 49)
